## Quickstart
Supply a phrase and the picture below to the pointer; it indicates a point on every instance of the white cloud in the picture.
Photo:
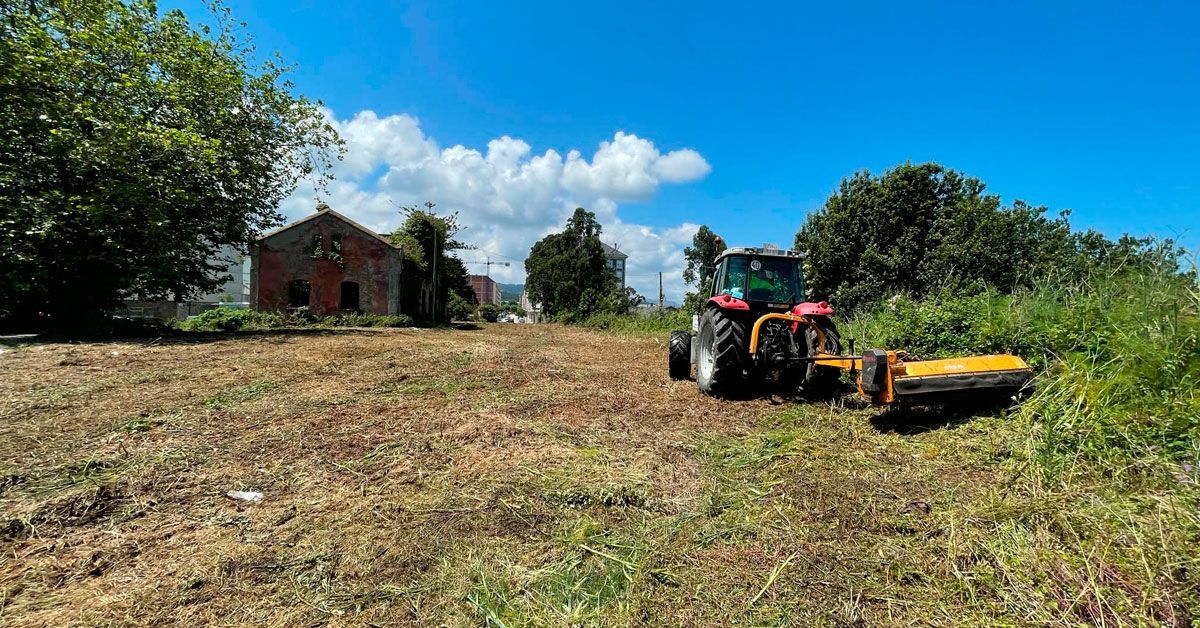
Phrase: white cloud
(508, 196)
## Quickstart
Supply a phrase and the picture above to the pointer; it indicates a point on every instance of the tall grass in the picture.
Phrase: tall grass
(656, 322)
(1119, 351)
(1102, 515)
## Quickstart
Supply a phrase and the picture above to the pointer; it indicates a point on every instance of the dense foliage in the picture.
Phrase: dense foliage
(227, 319)
(426, 239)
(458, 308)
(918, 229)
(1121, 345)
(651, 323)
(705, 248)
(567, 272)
(1105, 451)
(489, 312)
(132, 146)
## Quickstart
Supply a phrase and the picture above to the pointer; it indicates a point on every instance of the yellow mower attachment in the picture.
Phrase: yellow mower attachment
(889, 376)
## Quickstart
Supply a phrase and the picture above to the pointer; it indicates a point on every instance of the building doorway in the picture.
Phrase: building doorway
(349, 296)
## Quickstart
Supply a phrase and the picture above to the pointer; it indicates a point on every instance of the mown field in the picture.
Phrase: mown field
(511, 475)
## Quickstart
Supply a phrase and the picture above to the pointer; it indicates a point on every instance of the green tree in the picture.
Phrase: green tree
(705, 248)
(132, 146)
(458, 308)
(918, 228)
(568, 274)
(489, 312)
(454, 273)
(426, 240)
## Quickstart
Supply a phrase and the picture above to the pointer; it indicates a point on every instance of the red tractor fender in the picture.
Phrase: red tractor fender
(808, 308)
(727, 302)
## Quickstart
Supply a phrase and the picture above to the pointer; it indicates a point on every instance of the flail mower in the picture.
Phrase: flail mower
(757, 324)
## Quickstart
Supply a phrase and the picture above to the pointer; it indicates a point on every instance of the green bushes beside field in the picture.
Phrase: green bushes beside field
(658, 322)
(1119, 351)
(223, 319)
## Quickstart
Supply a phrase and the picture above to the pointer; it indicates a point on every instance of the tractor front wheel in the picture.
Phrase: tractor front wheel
(679, 355)
(721, 354)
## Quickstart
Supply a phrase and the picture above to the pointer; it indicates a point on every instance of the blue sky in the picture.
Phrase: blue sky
(1092, 107)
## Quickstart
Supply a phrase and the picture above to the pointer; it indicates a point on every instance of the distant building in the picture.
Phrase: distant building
(533, 311)
(486, 289)
(234, 290)
(616, 261)
(329, 263)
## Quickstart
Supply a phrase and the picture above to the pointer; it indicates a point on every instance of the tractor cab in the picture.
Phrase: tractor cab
(766, 278)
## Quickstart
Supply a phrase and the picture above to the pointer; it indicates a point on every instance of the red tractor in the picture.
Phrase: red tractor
(756, 323)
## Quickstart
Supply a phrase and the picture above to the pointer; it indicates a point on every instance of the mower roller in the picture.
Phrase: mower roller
(756, 324)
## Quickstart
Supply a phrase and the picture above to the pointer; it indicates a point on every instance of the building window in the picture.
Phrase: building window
(349, 296)
(335, 244)
(318, 249)
(298, 293)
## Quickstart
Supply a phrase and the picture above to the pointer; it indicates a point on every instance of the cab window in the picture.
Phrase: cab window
(733, 277)
(775, 279)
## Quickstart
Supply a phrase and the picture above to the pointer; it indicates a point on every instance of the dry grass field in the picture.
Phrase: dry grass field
(510, 475)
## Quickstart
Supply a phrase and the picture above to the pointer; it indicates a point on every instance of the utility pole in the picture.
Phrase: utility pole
(660, 291)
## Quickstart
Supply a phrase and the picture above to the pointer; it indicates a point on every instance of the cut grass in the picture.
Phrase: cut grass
(540, 476)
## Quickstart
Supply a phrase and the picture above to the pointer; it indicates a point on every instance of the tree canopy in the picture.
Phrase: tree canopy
(424, 234)
(133, 146)
(568, 274)
(705, 248)
(921, 227)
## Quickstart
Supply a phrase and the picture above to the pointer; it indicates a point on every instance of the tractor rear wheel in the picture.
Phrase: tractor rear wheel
(679, 355)
(821, 381)
(722, 353)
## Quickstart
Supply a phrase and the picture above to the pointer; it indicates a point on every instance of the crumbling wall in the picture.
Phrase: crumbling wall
(291, 254)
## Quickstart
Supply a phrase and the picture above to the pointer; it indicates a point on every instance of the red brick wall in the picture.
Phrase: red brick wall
(486, 289)
(288, 255)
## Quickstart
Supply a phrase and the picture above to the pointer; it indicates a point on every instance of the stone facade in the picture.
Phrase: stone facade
(328, 263)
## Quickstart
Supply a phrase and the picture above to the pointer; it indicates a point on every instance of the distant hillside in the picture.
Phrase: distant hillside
(511, 291)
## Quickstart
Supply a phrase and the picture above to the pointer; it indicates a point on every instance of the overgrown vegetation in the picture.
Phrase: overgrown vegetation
(654, 322)
(427, 240)
(1109, 441)
(226, 319)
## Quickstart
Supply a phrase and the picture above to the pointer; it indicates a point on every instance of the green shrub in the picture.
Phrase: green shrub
(223, 319)
(1119, 355)
(458, 308)
(359, 319)
(226, 319)
(489, 312)
(640, 323)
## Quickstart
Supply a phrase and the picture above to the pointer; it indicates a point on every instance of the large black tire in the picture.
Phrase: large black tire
(679, 355)
(721, 356)
(821, 381)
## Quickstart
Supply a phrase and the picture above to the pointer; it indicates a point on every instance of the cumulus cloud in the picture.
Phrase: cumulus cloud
(507, 196)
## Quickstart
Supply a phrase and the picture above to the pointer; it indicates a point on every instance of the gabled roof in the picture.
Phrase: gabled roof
(329, 212)
(612, 253)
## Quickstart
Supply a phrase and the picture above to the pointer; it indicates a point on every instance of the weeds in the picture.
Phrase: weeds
(1102, 519)
(227, 319)
(656, 322)
(240, 394)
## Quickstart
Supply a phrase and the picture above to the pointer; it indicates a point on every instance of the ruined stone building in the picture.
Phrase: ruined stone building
(329, 263)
